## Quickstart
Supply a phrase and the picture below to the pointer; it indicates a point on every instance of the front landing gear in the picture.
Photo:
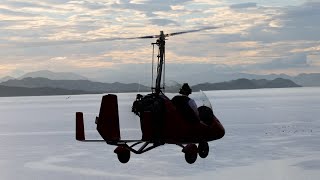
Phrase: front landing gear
(203, 149)
(123, 154)
(191, 151)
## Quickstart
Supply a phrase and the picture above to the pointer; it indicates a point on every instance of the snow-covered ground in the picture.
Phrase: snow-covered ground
(270, 134)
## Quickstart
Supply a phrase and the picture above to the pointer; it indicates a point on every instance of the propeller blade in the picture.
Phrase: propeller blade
(191, 31)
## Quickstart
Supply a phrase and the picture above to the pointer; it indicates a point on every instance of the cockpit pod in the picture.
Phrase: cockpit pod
(162, 120)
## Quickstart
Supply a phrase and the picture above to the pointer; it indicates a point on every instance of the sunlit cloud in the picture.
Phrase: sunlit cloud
(208, 2)
(250, 34)
(177, 7)
(6, 69)
(58, 58)
(313, 49)
(138, 1)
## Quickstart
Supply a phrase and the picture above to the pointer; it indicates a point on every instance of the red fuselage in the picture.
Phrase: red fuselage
(173, 127)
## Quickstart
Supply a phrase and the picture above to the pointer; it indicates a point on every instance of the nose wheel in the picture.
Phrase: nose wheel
(123, 154)
(203, 149)
(190, 153)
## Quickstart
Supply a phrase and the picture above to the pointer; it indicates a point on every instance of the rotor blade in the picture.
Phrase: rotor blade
(147, 37)
(57, 43)
(66, 42)
(114, 39)
(191, 31)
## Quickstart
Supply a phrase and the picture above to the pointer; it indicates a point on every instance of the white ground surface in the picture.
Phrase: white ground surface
(270, 134)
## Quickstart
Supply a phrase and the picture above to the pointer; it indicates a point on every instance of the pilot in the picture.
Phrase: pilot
(186, 105)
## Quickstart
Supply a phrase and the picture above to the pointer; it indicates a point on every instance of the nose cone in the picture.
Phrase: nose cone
(221, 131)
(218, 129)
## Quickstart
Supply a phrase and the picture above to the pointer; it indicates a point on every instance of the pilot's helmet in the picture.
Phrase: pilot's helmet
(185, 89)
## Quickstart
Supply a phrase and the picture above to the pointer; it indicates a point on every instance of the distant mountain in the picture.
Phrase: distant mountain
(6, 78)
(83, 85)
(53, 75)
(6, 91)
(246, 84)
(190, 76)
(43, 86)
(312, 79)
(306, 80)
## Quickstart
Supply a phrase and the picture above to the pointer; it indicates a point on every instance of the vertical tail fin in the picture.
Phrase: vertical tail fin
(108, 121)
(80, 136)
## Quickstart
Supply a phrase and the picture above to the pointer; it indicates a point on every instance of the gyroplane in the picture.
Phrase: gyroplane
(161, 120)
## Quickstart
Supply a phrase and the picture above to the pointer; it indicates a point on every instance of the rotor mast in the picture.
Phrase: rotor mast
(161, 43)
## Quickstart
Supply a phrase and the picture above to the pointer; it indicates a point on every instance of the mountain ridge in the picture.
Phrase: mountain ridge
(9, 91)
(53, 75)
(303, 79)
(44, 86)
(83, 85)
(6, 78)
(243, 83)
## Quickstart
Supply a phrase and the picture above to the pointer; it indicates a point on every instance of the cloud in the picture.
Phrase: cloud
(243, 5)
(7, 12)
(298, 60)
(138, 1)
(294, 23)
(22, 4)
(58, 58)
(251, 36)
(269, 24)
(164, 22)
(311, 49)
(177, 7)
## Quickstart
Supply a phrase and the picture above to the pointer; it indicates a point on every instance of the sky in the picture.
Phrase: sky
(258, 36)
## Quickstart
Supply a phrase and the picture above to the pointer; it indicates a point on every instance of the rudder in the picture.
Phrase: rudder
(80, 136)
(108, 120)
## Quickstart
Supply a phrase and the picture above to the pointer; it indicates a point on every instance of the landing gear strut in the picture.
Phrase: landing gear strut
(191, 151)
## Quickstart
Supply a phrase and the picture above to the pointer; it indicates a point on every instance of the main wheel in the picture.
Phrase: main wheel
(203, 149)
(190, 153)
(123, 154)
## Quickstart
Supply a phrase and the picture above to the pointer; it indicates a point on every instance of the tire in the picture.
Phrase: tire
(203, 149)
(190, 153)
(123, 154)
